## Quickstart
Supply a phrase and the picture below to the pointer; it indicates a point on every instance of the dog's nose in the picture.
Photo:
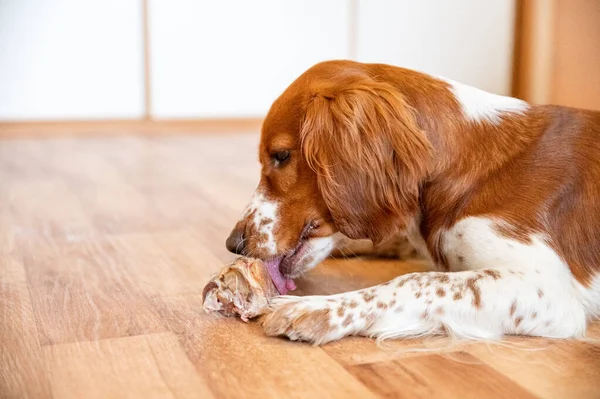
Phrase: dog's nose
(235, 241)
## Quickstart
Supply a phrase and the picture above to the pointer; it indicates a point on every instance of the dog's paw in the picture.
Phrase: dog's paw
(311, 319)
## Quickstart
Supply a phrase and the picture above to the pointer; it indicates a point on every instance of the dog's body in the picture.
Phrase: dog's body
(501, 195)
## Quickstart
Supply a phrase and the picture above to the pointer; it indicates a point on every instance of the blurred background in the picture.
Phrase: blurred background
(220, 64)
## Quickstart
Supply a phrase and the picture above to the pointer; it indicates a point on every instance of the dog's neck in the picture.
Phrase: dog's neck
(470, 140)
(467, 126)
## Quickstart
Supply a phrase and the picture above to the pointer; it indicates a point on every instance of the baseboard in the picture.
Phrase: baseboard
(39, 129)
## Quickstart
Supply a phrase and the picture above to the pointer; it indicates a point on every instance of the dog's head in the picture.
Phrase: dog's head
(340, 152)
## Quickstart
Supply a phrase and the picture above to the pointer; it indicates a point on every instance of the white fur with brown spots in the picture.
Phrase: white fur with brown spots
(500, 287)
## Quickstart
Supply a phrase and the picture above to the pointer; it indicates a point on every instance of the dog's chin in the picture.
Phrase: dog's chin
(307, 255)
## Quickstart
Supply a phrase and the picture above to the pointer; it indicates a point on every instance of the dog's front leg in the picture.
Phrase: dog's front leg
(483, 304)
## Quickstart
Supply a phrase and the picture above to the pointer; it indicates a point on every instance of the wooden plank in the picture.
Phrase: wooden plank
(435, 376)
(148, 366)
(360, 350)
(239, 361)
(44, 207)
(167, 263)
(22, 371)
(112, 128)
(84, 291)
(550, 369)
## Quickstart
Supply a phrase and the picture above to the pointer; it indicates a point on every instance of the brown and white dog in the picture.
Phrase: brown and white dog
(501, 195)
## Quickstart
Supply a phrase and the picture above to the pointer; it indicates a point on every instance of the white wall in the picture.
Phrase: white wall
(71, 59)
(83, 59)
(222, 58)
(470, 41)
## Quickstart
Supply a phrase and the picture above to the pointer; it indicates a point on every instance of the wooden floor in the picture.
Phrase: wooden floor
(105, 246)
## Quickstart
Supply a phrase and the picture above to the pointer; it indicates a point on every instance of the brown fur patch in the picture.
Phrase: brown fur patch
(347, 321)
(439, 310)
(457, 295)
(495, 274)
(513, 307)
(262, 237)
(440, 292)
(440, 278)
(382, 305)
(264, 222)
(471, 285)
(368, 297)
(341, 311)
(419, 281)
(518, 321)
(251, 215)
(540, 293)
(352, 304)
(418, 294)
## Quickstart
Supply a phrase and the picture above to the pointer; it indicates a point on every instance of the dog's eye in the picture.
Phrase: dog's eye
(281, 156)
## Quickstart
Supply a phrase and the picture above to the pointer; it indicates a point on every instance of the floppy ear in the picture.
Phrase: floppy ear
(369, 155)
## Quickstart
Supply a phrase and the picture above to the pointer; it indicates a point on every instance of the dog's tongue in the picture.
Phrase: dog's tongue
(282, 284)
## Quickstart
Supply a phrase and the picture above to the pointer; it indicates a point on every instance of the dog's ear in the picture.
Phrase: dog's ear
(370, 157)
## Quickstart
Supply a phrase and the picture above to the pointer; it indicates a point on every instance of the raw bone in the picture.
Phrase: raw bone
(243, 287)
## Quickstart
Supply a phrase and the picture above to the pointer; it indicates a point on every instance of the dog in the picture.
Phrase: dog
(502, 196)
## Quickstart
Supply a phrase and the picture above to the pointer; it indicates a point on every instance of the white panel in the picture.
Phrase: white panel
(470, 41)
(234, 57)
(71, 59)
